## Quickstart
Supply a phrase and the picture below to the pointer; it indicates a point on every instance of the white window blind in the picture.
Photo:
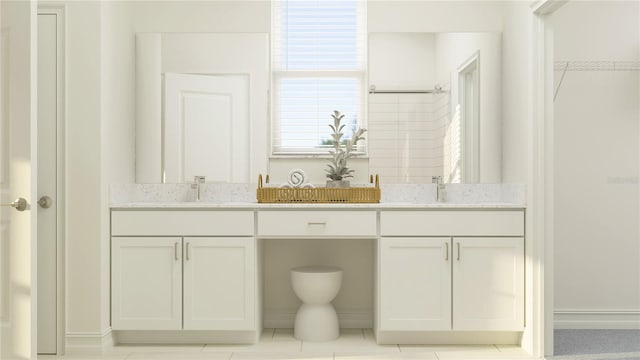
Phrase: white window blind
(318, 49)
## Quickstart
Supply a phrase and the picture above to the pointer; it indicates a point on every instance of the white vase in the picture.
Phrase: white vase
(338, 183)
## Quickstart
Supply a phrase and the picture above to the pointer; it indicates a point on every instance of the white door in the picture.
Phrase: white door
(415, 284)
(219, 283)
(488, 284)
(49, 107)
(18, 171)
(206, 128)
(146, 283)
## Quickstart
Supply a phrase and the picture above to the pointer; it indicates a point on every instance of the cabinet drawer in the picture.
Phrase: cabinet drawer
(452, 223)
(181, 223)
(317, 224)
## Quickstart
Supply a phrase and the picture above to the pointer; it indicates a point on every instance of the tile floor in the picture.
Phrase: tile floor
(353, 344)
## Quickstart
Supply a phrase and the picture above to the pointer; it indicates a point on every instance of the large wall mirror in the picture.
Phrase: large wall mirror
(435, 106)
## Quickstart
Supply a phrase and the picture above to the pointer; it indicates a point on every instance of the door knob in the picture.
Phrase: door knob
(45, 202)
(19, 204)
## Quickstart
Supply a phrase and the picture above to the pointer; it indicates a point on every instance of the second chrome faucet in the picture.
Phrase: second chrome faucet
(439, 188)
(197, 181)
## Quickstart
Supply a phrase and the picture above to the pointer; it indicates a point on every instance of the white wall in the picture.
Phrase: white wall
(84, 281)
(516, 91)
(517, 117)
(596, 160)
(117, 133)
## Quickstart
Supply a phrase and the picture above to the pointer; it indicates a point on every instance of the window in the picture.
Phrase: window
(318, 49)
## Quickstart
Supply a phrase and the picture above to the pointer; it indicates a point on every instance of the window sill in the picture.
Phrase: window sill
(312, 156)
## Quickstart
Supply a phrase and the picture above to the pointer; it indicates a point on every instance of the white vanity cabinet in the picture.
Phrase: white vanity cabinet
(451, 270)
(218, 283)
(488, 283)
(197, 273)
(415, 283)
(146, 283)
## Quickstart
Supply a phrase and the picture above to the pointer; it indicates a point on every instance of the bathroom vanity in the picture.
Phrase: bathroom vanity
(442, 273)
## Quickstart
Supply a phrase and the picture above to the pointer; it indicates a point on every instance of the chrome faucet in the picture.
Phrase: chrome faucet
(439, 187)
(197, 181)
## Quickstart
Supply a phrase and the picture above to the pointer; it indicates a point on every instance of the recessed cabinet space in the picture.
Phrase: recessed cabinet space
(183, 282)
(439, 283)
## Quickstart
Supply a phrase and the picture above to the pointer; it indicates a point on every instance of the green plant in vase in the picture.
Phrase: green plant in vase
(342, 150)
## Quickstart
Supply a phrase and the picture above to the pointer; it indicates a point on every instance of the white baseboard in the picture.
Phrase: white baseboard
(596, 319)
(124, 337)
(450, 337)
(88, 342)
(349, 319)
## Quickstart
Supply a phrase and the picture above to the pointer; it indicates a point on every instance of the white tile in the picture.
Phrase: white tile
(514, 351)
(383, 98)
(383, 108)
(180, 356)
(468, 352)
(282, 356)
(444, 349)
(416, 98)
(84, 357)
(384, 356)
(368, 334)
(478, 356)
(284, 335)
(130, 349)
(271, 341)
(350, 341)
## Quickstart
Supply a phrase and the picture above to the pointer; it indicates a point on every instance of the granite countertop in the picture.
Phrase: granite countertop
(243, 196)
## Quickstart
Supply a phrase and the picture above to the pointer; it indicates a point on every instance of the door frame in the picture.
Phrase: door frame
(60, 197)
(540, 178)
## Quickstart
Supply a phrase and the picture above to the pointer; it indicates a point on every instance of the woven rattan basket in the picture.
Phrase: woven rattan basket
(349, 195)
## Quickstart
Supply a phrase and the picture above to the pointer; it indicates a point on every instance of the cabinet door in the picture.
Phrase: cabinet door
(146, 280)
(488, 284)
(415, 284)
(219, 283)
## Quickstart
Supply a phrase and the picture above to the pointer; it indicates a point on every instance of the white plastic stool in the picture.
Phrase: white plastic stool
(316, 286)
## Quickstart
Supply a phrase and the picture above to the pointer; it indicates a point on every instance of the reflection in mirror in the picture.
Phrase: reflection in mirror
(434, 108)
(466, 117)
(199, 113)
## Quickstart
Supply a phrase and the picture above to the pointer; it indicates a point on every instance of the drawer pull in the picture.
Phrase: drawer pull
(458, 250)
(446, 251)
(188, 251)
(317, 223)
(175, 251)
